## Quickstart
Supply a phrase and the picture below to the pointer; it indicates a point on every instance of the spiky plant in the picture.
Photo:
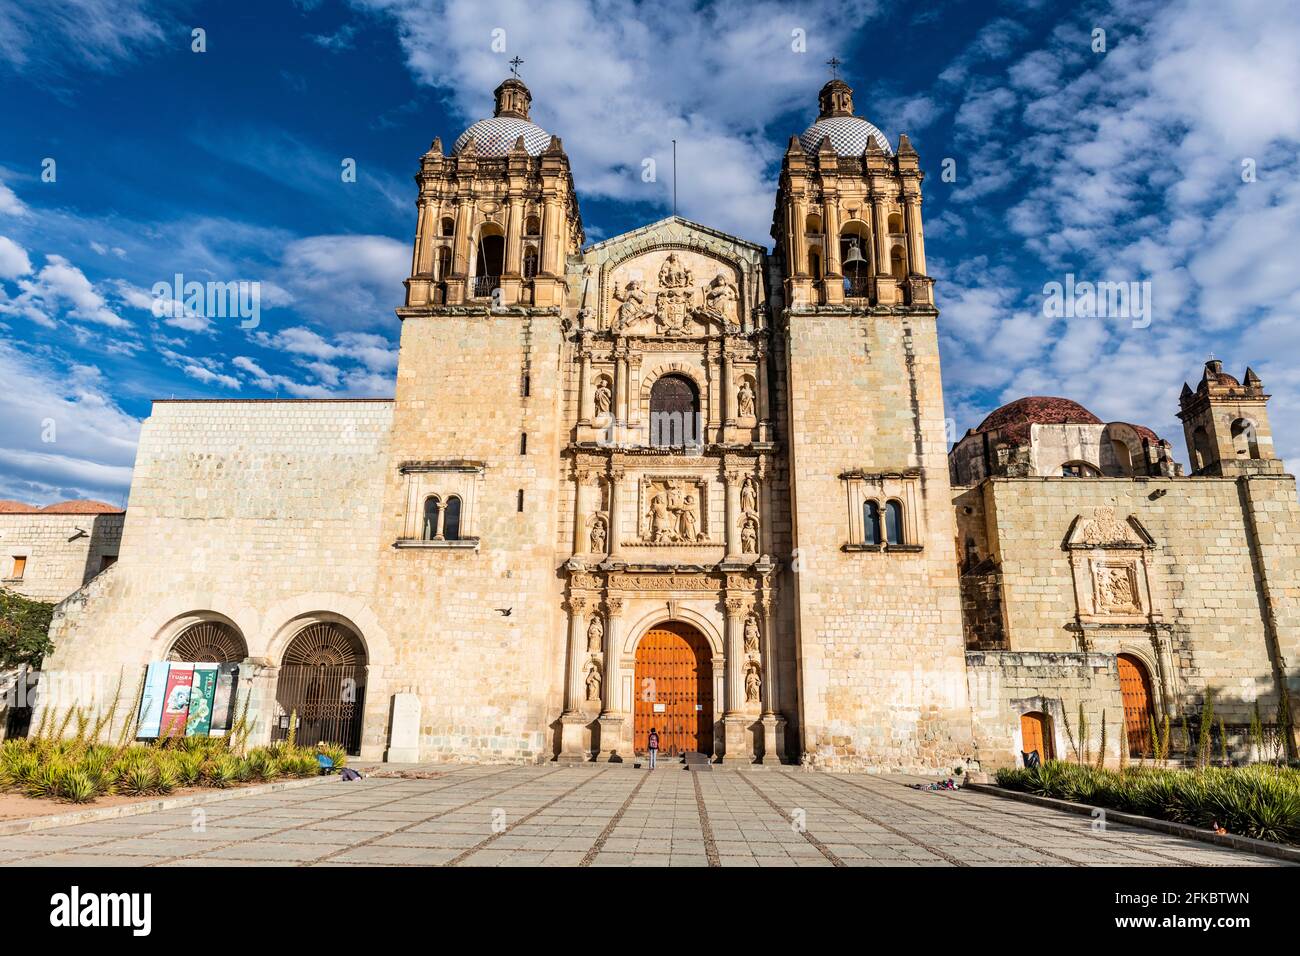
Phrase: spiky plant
(1101, 747)
(78, 787)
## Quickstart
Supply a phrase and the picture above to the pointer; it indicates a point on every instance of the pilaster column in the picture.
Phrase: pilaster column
(880, 226)
(615, 531)
(575, 687)
(915, 244)
(514, 236)
(800, 266)
(831, 225)
(728, 387)
(612, 687)
(460, 251)
(764, 410)
(731, 478)
(768, 651)
(735, 663)
(585, 402)
(586, 478)
(550, 235)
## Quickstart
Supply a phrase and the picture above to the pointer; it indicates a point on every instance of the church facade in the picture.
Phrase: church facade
(669, 479)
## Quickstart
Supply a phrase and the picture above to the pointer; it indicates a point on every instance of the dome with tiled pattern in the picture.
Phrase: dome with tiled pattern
(497, 135)
(849, 135)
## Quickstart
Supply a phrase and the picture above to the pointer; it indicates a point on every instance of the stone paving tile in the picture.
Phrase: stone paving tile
(556, 818)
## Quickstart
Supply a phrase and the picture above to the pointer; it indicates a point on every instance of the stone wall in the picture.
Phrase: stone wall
(258, 514)
(63, 551)
(879, 630)
(1006, 684)
(1223, 568)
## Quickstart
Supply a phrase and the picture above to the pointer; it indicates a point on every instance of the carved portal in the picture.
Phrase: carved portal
(672, 510)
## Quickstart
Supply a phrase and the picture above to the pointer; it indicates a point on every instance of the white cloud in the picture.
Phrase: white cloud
(13, 259)
(10, 204)
(84, 34)
(60, 288)
(619, 81)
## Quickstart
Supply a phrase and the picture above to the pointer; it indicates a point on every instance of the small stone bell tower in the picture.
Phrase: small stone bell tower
(1226, 424)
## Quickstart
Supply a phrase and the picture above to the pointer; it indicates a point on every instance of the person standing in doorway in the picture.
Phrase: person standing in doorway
(653, 743)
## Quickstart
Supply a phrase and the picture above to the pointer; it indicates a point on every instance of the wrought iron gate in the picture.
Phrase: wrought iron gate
(329, 701)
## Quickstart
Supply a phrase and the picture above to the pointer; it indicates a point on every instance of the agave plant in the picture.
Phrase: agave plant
(77, 786)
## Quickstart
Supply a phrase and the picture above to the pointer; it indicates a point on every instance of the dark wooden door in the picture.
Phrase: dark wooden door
(1135, 688)
(674, 690)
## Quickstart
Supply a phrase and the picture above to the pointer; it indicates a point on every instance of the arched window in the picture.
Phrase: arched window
(870, 523)
(893, 523)
(1080, 469)
(532, 226)
(815, 262)
(490, 260)
(448, 226)
(895, 224)
(674, 411)
(897, 263)
(855, 254)
(1201, 448)
(1244, 440)
(442, 266)
(432, 507)
(530, 262)
(813, 224)
(451, 520)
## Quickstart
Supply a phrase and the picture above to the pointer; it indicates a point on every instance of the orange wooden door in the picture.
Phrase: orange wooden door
(1135, 688)
(1036, 734)
(674, 690)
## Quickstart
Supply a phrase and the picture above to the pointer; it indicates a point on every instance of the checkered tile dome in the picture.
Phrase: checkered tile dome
(496, 136)
(849, 135)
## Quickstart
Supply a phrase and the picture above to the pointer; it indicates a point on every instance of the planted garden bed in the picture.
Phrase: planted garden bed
(1260, 801)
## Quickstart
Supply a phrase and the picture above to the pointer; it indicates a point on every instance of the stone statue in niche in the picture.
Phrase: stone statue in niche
(688, 523)
(749, 535)
(598, 536)
(722, 295)
(595, 634)
(603, 396)
(748, 495)
(661, 522)
(745, 400)
(633, 306)
(751, 635)
(593, 682)
(752, 682)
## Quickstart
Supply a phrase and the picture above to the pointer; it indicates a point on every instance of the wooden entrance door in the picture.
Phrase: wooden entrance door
(674, 690)
(1036, 734)
(1135, 688)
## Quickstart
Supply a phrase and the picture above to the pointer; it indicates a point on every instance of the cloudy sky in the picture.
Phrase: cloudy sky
(1162, 150)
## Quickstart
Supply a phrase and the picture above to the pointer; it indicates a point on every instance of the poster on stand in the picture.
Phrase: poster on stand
(176, 702)
(202, 691)
(223, 702)
(149, 719)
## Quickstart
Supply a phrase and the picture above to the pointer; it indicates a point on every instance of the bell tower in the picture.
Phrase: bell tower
(1226, 424)
(498, 217)
(876, 588)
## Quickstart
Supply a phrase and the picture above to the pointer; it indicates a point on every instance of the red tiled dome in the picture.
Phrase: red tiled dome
(81, 507)
(9, 507)
(1017, 416)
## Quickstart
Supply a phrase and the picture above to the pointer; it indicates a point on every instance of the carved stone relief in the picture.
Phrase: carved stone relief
(658, 294)
(672, 511)
(1115, 588)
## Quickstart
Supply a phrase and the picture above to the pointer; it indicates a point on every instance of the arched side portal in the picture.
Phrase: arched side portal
(673, 689)
(322, 681)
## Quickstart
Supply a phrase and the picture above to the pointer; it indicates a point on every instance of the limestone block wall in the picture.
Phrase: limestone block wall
(63, 551)
(478, 630)
(1225, 573)
(1006, 684)
(251, 512)
(879, 632)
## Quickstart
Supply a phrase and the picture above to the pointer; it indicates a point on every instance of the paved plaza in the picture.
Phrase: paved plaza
(611, 816)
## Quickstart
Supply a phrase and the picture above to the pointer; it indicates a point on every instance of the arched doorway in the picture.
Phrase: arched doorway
(1135, 688)
(322, 679)
(208, 642)
(1036, 734)
(674, 689)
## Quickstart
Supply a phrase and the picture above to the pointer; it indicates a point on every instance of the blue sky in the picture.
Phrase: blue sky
(1124, 164)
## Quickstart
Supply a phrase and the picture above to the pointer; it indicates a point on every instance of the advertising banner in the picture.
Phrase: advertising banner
(203, 689)
(176, 702)
(151, 699)
(223, 703)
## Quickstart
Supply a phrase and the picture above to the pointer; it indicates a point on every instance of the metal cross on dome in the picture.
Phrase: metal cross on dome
(834, 64)
(514, 66)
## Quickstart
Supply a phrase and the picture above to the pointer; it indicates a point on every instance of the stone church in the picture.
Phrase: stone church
(674, 479)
